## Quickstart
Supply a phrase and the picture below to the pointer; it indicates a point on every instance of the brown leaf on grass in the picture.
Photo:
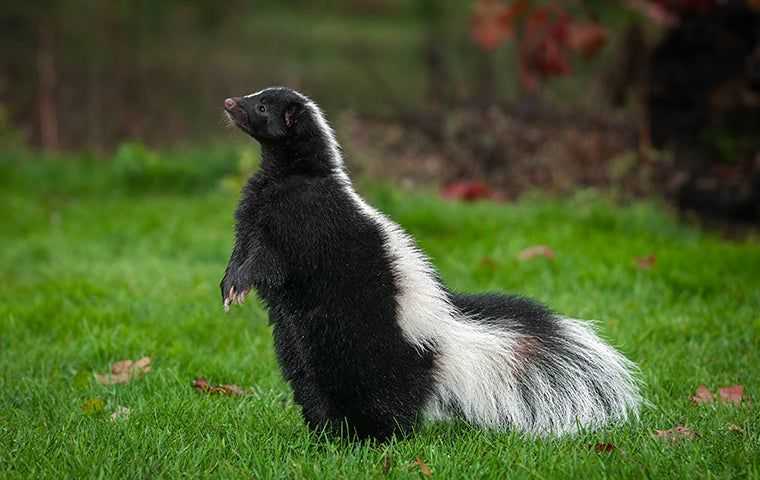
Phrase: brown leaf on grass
(732, 427)
(702, 396)
(536, 251)
(732, 395)
(124, 371)
(424, 469)
(676, 433)
(488, 262)
(202, 385)
(645, 262)
(605, 447)
(231, 390)
(121, 413)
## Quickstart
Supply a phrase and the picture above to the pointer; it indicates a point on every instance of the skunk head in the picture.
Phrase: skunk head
(271, 115)
(292, 130)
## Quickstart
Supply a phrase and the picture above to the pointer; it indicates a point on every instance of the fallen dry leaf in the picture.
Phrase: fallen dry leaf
(676, 433)
(605, 447)
(121, 413)
(488, 262)
(93, 406)
(202, 385)
(702, 396)
(124, 371)
(231, 389)
(424, 469)
(732, 427)
(732, 395)
(536, 251)
(646, 262)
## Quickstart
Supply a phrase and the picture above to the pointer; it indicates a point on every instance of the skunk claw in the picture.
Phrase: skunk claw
(234, 297)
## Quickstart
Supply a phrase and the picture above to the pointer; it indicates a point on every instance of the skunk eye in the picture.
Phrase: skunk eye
(261, 109)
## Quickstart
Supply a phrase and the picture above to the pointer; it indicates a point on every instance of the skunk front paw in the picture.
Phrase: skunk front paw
(234, 296)
(234, 289)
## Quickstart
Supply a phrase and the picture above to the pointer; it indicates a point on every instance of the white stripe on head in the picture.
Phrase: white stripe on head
(276, 88)
(257, 93)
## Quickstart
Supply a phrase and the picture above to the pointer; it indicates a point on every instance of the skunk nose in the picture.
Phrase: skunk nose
(231, 103)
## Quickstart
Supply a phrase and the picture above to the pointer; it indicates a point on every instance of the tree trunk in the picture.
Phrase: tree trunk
(47, 79)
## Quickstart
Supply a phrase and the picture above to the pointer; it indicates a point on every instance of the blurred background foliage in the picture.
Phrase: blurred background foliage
(485, 98)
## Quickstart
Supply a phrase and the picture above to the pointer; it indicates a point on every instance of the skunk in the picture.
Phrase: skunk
(365, 331)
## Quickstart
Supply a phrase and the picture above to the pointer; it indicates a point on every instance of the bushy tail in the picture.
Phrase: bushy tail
(552, 382)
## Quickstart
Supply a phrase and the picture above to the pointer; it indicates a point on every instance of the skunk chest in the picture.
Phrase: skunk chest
(317, 244)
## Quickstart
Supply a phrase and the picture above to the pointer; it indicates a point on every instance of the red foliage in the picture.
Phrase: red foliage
(467, 190)
(687, 6)
(542, 47)
(493, 22)
(587, 38)
(667, 12)
(654, 12)
(548, 35)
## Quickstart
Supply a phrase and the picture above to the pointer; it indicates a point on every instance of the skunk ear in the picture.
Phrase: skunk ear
(291, 114)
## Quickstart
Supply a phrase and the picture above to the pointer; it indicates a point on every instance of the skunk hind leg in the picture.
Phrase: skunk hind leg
(362, 420)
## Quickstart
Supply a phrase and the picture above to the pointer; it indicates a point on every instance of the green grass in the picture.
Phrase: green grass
(105, 261)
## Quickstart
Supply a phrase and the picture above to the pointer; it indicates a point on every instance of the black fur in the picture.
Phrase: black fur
(511, 311)
(321, 270)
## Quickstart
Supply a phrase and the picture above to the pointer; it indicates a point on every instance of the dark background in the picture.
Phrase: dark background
(487, 98)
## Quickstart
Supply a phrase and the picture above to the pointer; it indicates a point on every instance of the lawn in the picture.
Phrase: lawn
(102, 261)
